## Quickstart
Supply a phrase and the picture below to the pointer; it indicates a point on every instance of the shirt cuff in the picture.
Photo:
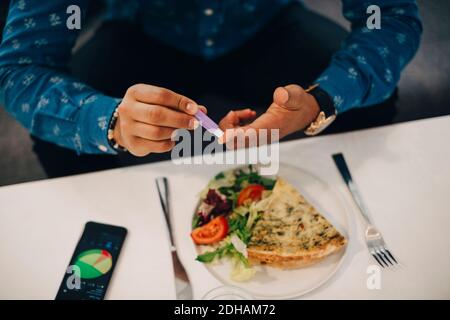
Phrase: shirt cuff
(343, 86)
(97, 111)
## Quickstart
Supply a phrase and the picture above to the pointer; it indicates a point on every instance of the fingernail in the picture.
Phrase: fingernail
(174, 135)
(193, 124)
(191, 107)
(283, 95)
(203, 108)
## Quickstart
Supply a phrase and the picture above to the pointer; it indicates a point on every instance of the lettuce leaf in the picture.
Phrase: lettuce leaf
(209, 256)
(241, 272)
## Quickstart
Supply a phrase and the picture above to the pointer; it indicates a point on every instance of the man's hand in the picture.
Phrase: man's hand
(292, 109)
(149, 115)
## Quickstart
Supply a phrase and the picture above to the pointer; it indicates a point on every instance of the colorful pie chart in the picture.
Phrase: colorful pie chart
(94, 263)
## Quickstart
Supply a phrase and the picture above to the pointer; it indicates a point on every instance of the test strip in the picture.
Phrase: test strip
(207, 123)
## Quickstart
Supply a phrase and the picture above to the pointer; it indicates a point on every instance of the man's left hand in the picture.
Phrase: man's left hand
(292, 110)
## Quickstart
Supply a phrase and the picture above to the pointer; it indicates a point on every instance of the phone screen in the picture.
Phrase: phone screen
(92, 264)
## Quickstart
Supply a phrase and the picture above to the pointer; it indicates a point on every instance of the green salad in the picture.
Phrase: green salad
(229, 207)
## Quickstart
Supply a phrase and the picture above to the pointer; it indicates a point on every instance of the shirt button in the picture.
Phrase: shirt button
(209, 42)
(102, 148)
(208, 12)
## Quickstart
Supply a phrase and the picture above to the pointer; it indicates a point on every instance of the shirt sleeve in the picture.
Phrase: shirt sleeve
(35, 86)
(366, 69)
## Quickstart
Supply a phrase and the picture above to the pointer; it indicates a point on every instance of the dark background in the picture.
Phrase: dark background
(423, 91)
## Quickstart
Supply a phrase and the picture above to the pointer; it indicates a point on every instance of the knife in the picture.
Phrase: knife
(182, 284)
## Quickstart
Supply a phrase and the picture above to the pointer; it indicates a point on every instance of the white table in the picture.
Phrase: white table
(402, 170)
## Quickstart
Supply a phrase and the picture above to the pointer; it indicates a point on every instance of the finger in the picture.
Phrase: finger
(151, 132)
(268, 121)
(159, 115)
(229, 121)
(245, 115)
(141, 147)
(290, 96)
(162, 96)
(235, 118)
(203, 109)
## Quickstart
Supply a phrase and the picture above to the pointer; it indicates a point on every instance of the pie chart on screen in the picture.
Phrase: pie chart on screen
(94, 263)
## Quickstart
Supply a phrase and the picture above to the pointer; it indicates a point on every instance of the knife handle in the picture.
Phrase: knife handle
(163, 192)
(341, 164)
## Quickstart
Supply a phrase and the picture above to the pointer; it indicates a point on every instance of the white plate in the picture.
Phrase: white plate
(271, 283)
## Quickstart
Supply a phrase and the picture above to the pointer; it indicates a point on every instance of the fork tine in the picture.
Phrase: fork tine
(385, 256)
(379, 255)
(390, 255)
(376, 258)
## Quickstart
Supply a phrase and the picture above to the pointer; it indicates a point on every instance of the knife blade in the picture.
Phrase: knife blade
(183, 287)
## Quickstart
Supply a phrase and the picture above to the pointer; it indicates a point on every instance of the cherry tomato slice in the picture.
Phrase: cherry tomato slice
(212, 232)
(252, 192)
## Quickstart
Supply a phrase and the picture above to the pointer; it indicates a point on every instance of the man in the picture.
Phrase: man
(238, 49)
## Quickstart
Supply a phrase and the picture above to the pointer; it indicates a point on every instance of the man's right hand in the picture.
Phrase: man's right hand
(149, 115)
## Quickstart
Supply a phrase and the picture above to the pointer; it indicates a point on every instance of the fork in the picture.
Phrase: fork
(374, 240)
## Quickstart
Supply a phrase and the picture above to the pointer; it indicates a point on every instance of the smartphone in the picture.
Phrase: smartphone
(92, 264)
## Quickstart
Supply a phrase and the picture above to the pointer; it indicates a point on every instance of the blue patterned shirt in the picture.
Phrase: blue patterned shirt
(36, 48)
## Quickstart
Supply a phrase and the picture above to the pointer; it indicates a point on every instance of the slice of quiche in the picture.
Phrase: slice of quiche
(291, 233)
